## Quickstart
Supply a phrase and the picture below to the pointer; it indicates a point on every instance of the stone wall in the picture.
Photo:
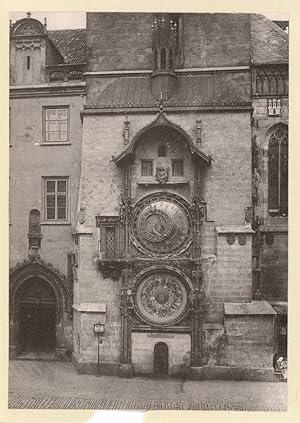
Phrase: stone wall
(275, 268)
(119, 41)
(249, 341)
(179, 347)
(209, 39)
(123, 41)
(230, 279)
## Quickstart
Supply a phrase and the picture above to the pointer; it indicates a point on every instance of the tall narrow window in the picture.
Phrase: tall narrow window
(28, 62)
(163, 59)
(147, 167)
(171, 60)
(56, 199)
(56, 124)
(155, 59)
(177, 167)
(278, 173)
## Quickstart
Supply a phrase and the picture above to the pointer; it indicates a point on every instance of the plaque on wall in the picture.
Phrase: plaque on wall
(162, 223)
(161, 298)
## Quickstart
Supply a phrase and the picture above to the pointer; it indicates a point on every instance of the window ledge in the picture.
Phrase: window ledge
(47, 144)
(55, 222)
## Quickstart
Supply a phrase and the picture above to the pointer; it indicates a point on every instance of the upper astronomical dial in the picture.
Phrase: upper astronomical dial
(162, 223)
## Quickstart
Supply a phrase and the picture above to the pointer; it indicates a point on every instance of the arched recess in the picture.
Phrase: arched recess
(48, 279)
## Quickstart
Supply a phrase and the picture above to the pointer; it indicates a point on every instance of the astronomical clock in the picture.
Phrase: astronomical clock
(152, 248)
(162, 224)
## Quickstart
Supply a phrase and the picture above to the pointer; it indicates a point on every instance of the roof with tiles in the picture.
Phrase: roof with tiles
(71, 44)
(269, 43)
(191, 90)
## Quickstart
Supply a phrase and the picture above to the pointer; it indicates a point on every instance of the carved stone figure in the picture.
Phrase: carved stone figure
(162, 174)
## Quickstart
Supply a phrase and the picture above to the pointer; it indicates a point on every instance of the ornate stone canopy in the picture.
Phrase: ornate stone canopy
(160, 121)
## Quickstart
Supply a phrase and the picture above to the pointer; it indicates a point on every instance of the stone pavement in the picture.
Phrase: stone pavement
(57, 385)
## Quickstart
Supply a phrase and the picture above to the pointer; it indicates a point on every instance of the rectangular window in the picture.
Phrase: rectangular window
(28, 62)
(56, 124)
(56, 199)
(147, 167)
(177, 167)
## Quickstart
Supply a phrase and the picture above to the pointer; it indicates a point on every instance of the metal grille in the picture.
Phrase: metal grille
(110, 243)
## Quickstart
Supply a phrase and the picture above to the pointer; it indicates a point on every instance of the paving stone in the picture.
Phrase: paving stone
(57, 385)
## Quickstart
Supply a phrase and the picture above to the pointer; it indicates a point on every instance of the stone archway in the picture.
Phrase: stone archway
(39, 298)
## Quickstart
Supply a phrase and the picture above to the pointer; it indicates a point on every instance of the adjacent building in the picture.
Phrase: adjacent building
(149, 194)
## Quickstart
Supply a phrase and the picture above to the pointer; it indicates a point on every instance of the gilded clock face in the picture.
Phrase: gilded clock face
(161, 298)
(162, 223)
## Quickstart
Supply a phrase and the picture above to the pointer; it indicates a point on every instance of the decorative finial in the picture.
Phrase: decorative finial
(161, 103)
(28, 15)
(198, 131)
(45, 23)
(126, 134)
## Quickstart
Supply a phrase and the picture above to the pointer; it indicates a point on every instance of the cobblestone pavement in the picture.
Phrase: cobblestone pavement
(56, 385)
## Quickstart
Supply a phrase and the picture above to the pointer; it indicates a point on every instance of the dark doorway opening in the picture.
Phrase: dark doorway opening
(36, 311)
(161, 359)
(37, 328)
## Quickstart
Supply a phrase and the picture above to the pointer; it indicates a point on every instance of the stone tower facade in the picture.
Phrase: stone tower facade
(164, 243)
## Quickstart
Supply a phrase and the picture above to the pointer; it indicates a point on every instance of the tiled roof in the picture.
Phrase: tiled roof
(71, 44)
(269, 43)
(192, 90)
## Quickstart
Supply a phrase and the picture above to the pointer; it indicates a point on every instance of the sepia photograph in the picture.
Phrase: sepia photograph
(148, 210)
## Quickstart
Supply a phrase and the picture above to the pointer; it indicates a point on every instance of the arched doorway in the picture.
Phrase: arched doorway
(161, 359)
(40, 301)
(35, 304)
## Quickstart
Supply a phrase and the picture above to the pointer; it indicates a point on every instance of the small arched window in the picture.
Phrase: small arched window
(163, 59)
(278, 172)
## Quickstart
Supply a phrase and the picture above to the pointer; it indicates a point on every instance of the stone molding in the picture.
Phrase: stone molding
(253, 308)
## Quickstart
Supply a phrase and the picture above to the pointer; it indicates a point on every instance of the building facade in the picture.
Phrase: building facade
(154, 193)
(46, 96)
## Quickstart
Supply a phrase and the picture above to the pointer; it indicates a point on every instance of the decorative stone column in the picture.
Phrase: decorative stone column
(196, 298)
(126, 308)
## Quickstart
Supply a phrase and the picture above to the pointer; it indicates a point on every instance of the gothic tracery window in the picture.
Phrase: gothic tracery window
(278, 173)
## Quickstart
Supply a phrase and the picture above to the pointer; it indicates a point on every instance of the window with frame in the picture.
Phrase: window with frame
(162, 151)
(278, 173)
(177, 167)
(56, 124)
(56, 199)
(147, 167)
